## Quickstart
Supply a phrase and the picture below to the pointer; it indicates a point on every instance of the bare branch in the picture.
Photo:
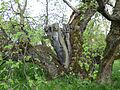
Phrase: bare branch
(19, 7)
(73, 8)
(21, 14)
(13, 8)
(46, 13)
(25, 6)
(105, 13)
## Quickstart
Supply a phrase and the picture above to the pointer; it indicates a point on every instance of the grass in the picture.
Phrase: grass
(18, 76)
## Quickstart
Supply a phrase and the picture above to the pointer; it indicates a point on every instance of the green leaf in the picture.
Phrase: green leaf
(8, 46)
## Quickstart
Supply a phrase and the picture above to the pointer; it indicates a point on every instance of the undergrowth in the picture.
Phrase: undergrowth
(27, 76)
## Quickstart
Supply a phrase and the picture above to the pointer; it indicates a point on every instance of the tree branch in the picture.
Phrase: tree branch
(73, 8)
(25, 5)
(46, 14)
(106, 14)
(22, 11)
(19, 7)
(13, 8)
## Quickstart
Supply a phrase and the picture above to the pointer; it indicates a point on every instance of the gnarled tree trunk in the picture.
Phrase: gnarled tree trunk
(112, 40)
(76, 39)
(68, 41)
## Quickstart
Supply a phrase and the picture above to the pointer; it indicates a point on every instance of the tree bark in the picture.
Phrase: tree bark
(112, 44)
(105, 73)
(76, 39)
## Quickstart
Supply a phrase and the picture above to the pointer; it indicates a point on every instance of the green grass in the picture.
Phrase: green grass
(19, 76)
(116, 75)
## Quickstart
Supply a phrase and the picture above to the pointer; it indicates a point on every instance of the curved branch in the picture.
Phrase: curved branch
(101, 9)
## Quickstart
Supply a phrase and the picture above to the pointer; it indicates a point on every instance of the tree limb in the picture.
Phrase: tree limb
(46, 14)
(105, 13)
(25, 5)
(73, 8)
(22, 11)
(13, 8)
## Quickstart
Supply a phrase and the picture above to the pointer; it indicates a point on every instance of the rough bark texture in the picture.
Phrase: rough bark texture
(113, 41)
(76, 39)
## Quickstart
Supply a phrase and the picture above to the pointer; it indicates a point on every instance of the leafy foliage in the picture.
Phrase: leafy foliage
(16, 74)
(21, 76)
